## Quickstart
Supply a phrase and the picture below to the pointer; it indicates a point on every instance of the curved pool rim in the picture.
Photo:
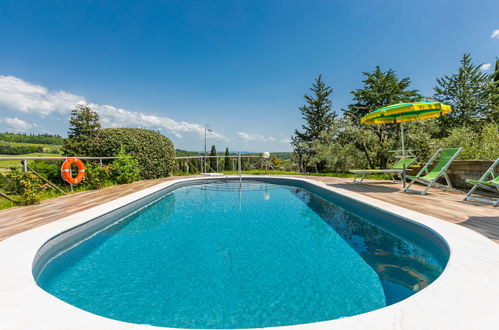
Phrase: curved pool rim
(473, 263)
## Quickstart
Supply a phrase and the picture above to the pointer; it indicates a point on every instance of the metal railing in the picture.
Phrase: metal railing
(184, 165)
(24, 160)
(202, 164)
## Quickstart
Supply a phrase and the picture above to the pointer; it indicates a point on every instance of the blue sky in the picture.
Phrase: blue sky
(241, 66)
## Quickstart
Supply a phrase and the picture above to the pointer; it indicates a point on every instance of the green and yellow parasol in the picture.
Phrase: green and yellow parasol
(399, 113)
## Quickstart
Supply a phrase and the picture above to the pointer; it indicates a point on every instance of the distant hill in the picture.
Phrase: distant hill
(32, 138)
(283, 155)
(23, 144)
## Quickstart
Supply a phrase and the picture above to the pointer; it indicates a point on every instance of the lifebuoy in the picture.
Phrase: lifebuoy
(66, 173)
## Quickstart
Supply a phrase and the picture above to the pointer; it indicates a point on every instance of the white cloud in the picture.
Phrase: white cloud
(485, 66)
(22, 96)
(255, 137)
(285, 140)
(19, 95)
(117, 117)
(495, 34)
(17, 125)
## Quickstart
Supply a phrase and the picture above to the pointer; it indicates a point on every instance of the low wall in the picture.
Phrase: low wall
(461, 170)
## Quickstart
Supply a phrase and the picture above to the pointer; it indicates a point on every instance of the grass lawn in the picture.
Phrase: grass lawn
(17, 163)
(5, 204)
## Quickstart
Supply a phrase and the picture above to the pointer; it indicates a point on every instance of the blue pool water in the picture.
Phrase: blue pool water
(238, 256)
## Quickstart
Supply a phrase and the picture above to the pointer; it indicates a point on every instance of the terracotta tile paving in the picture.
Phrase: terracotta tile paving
(448, 206)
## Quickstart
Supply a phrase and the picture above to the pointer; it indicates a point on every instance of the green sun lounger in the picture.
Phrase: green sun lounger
(489, 181)
(396, 169)
(429, 177)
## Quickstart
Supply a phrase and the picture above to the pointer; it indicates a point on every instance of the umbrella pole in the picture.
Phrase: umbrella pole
(402, 135)
(403, 152)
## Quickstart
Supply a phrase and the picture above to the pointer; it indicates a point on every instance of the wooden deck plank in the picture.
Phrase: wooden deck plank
(447, 206)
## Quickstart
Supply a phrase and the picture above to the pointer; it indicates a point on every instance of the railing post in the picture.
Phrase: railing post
(239, 165)
(217, 163)
(25, 162)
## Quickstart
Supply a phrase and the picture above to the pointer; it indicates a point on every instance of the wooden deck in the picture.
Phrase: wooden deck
(448, 206)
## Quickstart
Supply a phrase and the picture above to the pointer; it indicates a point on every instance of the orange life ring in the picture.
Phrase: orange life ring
(66, 173)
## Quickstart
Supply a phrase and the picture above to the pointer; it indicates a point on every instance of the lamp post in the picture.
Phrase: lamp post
(206, 128)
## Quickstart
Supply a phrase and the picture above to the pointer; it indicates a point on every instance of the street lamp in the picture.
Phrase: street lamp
(206, 129)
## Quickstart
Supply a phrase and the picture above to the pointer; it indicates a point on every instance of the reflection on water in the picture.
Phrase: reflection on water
(403, 268)
(155, 216)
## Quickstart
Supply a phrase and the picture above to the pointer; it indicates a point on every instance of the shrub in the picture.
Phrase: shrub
(97, 176)
(153, 151)
(490, 142)
(476, 145)
(27, 185)
(49, 169)
(125, 168)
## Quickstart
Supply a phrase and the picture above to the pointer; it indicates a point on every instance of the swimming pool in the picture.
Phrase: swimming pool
(224, 254)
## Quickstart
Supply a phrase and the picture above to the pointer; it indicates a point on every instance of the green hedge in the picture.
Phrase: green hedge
(153, 151)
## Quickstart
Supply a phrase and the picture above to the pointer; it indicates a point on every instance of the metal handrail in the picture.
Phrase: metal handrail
(238, 157)
(53, 158)
(218, 156)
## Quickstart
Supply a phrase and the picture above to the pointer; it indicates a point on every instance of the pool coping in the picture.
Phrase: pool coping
(465, 296)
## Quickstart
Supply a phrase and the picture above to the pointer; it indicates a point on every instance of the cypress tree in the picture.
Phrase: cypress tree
(227, 159)
(213, 161)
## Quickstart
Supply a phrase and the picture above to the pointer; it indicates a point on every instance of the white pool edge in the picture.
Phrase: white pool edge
(465, 296)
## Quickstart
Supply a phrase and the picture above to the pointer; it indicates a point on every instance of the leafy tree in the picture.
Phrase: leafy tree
(302, 152)
(493, 115)
(318, 116)
(213, 160)
(276, 161)
(381, 88)
(467, 91)
(84, 121)
(83, 129)
(227, 159)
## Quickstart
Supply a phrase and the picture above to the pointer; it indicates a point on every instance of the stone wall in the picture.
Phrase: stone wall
(461, 170)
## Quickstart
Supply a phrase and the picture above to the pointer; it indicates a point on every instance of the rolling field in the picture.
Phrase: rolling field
(4, 164)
